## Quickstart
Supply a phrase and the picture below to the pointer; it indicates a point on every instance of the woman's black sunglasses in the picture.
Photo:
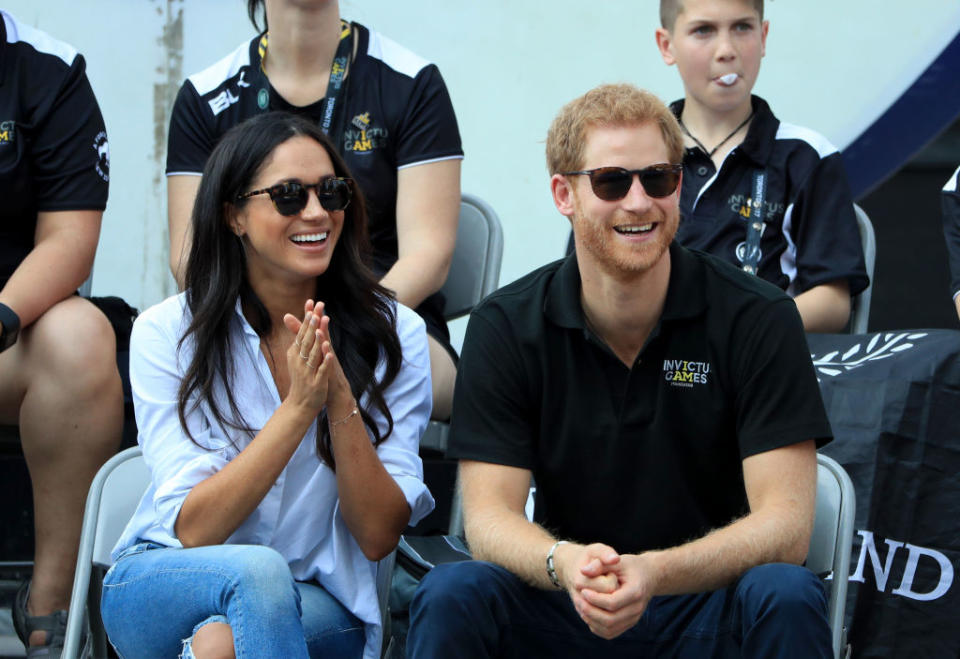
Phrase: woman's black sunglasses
(613, 183)
(290, 197)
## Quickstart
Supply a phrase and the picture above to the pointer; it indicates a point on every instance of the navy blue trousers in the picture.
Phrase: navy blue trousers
(476, 609)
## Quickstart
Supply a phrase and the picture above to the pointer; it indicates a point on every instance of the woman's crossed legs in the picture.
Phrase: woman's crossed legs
(222, 600)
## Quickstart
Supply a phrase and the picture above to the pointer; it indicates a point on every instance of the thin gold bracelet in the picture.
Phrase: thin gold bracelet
(355, 412)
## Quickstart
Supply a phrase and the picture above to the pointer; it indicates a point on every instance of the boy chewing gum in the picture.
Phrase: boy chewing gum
(769, 197)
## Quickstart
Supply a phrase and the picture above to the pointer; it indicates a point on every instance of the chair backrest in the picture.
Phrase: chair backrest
(123, 486)
(111, 502)
(475, 267)
(860, 314)
(830, 543)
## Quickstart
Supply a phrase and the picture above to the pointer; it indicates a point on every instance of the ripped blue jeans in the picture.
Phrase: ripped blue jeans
(155, 598)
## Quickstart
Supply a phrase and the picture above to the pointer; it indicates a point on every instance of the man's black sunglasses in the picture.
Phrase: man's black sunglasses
(613, 183)
(290, 197)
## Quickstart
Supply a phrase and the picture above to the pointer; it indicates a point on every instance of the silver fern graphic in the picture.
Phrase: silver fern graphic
(881, 346)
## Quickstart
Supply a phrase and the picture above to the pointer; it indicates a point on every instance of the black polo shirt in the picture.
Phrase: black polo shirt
(950, 202)
(643, 457)
(810, 235)
(53, 146)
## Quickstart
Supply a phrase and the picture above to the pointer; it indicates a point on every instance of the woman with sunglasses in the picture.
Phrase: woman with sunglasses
(280, 400)
(388, 112)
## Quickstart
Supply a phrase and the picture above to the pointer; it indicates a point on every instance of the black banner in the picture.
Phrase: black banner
(894, 403)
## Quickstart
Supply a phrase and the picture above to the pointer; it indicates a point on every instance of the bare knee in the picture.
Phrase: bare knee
(213, 641)
(73, 341)
(70, 367)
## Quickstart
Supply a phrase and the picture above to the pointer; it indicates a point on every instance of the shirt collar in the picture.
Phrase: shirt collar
(244, 325)
(758, 143)
(685, 295)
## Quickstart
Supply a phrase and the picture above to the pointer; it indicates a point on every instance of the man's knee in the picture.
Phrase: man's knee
(781, 589)
(454, 586)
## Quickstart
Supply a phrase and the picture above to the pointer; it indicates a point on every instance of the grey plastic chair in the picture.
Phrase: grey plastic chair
(474, 274)
(113, 498)
(860, 312)
(475, 267)
(111, 502)
(830, 543)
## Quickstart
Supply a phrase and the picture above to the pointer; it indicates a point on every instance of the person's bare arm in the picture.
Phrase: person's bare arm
(781, 490)
(956, 302)
(494, 521)
(428, 207)
(825, 308)
(61, 259)
(498, 531)
(181, 193)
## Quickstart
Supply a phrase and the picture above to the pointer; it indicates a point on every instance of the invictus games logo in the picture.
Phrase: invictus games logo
(8, 132)
(683, 373)
(362, 136)
(743, 205)
(102, 147)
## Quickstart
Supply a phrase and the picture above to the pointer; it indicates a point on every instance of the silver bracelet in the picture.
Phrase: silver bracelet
(334, 424)
(551, 570)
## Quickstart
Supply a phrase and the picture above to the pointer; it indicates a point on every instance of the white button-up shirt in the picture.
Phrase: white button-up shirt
(300, 515)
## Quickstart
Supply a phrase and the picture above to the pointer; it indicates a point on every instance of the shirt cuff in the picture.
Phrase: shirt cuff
(170, 495)
(417, 495)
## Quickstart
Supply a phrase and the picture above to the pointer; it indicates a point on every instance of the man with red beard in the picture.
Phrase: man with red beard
(665, 404)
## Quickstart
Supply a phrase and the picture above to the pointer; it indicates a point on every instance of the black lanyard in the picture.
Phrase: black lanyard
(337, 72)
(338, 69)
(751, 256)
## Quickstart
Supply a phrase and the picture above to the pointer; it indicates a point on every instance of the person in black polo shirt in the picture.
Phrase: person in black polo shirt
(58, 369)
(744, 168)
(666, 406)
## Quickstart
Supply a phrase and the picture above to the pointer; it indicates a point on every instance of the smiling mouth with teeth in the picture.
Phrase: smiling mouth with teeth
(309, 237)
(634, 228)
(728, 79)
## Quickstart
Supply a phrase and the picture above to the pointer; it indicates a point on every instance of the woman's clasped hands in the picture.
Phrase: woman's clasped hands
(316, 378)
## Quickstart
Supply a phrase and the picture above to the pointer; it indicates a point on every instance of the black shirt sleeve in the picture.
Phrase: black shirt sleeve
(825, 229)
(428, 128)
(950, 203)
(778, 400)
(69, 154)
(493, 416)
(191, 138)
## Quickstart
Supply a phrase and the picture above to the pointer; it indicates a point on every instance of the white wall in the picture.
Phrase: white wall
(509, 65)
